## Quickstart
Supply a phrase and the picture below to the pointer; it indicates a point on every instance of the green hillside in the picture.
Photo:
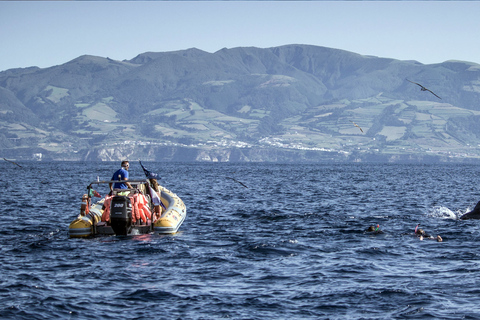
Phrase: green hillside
(288, 103)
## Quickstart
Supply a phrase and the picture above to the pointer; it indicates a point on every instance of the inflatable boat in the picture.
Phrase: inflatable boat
(145, 208)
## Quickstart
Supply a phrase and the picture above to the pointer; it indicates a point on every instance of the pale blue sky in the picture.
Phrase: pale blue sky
(45, 34)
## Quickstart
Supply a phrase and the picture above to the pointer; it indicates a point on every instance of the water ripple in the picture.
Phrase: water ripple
(292, 245)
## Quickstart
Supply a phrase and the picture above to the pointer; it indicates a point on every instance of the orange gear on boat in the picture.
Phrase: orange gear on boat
(140, 208)
(135, 213)
(141, 204)
(106, 211)
(146, 212)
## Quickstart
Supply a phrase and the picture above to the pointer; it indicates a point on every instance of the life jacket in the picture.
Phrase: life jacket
(140, 208)
(146, 211)
(135, 213)
(106, 211)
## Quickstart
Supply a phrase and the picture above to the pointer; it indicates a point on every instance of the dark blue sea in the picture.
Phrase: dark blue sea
(290, 245)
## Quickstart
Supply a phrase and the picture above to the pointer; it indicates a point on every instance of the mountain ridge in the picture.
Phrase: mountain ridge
(236, 100)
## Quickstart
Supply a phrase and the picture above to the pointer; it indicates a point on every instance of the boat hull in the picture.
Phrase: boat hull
(173, 216)
(83, 226)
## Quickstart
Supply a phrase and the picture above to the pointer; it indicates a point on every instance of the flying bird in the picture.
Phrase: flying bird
(12, 162)
(424, 89)
(356, 125)
(238, 182)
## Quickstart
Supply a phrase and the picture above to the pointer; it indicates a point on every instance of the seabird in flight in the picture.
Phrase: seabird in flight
(238, 182)
(12, 162)
(424, 89)
(356, 125)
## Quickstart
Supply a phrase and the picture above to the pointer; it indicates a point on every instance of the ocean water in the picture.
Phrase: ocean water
(290, 245)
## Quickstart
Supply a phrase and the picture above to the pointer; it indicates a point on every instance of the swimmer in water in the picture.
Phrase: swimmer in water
(421, 234)
(374, 230)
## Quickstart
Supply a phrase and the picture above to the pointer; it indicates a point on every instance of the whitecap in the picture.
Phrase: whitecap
(443, 213)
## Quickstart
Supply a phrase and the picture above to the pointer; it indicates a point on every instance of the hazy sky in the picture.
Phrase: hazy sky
(50, 33)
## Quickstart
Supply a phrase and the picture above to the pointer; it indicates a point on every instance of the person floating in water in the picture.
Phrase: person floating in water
(374, 230)
(121, 175)
(421, 234)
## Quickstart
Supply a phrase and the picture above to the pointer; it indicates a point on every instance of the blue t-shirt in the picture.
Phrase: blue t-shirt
(120, 174)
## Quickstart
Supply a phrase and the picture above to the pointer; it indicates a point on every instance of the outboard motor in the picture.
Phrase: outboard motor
(121, 215)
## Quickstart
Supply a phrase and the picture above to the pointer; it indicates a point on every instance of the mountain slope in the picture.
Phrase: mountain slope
(292, 102)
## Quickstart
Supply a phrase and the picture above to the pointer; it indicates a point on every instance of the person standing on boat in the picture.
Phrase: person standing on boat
(121, 175)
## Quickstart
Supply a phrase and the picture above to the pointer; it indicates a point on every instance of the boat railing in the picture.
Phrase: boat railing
(115, 191)
(116, 181)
